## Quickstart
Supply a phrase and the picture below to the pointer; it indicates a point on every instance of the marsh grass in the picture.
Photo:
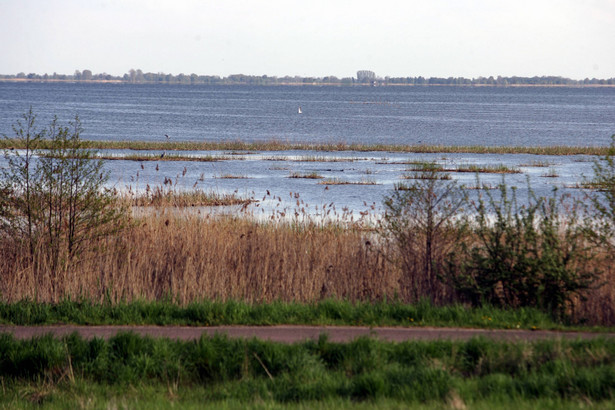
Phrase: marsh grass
(479, 169)
(186, 258)
(162, 197)
(311, 175)
(423, 176)
(536, 164)
(277, 145)
(167, 157)
(339, 181)
(191, 257)
(231, 176)
(550, 173)
(322, 158)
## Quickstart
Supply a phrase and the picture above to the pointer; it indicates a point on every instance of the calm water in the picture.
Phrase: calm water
(390, 115)
(439, 115)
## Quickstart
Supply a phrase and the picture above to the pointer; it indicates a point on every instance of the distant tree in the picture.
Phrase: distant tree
(86, 75)
(366, 76)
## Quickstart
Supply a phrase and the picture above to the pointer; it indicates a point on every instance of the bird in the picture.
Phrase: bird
(167, 135)
(162, 155)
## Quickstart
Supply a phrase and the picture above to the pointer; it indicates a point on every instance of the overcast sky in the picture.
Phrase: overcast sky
(440, 38)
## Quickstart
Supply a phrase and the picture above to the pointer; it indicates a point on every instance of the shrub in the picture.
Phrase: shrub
(532, 255)
(422, 224)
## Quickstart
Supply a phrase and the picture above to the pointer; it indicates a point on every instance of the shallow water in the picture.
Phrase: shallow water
(266, 176)
(388, 115)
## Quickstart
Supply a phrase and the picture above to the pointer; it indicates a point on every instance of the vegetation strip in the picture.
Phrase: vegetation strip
(295, 334)
(327, 312)
(287, 146)
(365, 369)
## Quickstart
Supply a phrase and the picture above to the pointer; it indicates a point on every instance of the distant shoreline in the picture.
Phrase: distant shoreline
(301, 84)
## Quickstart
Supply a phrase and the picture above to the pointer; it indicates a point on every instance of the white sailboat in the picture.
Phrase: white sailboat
(299, 110)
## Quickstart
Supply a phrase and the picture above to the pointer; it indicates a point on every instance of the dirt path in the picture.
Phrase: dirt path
(290, 334)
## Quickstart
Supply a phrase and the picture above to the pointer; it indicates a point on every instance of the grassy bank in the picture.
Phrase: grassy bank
(324, 312)
(275, 145)
(136, 371)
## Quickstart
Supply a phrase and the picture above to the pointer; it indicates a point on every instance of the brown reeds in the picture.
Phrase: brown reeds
(193, 258)
(165, 197)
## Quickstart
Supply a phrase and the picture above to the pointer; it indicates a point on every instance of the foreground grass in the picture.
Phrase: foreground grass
(94, 395)
(133, 371)
(326, 312)
(286, 146)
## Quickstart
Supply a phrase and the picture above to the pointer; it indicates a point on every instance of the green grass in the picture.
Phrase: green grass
(275, 145)
(130, 370)
(326, 312)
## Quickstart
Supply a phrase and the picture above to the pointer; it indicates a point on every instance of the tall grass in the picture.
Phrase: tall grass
(169, 197)
(188, 258)
(191, 258)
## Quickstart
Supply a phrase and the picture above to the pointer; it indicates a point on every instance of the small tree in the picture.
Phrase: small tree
(56, 198)
(78, 208)
(19, 208)
(421, 223)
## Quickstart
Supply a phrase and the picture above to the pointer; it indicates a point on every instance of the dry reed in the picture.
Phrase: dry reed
(194, 258)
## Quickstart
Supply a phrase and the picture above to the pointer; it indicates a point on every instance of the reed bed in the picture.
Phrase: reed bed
(276, 145)
(322, 158)
(550, 173)
(311, 175)
(168, 157)
(537, 164)
(339, 181)
(482, 169)
(191, 258)
(231, 176)
(425, 176)
(168, 197)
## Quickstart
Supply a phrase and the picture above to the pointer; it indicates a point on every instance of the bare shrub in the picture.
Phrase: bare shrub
(422, 226)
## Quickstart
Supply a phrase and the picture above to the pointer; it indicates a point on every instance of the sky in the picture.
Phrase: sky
(396, 38)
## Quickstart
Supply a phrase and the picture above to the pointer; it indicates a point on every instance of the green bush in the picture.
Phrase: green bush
(531, 255)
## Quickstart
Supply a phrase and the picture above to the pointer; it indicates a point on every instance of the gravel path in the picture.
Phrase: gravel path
(291, 334)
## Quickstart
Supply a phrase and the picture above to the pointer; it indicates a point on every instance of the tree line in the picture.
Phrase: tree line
(139, 77)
